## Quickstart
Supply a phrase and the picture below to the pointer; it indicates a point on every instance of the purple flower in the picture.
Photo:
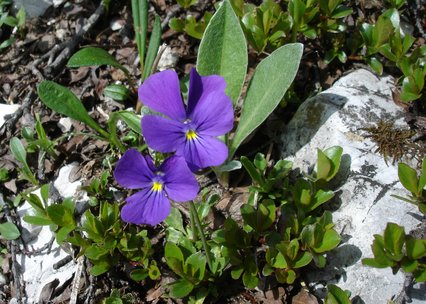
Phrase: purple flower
(189, 131)
(151, 205)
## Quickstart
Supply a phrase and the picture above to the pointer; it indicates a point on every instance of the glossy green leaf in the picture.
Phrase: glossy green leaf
(63, 101)
(336, 295)
(117, 92)
(335, 155)
(330, 241)
(323, 165)
(195, 265)
(420, 274)
(249, 280)
(100, 268)
(416, 248)
(252, 171)
(9, 231)
(61, 216)
(37, 220)
(303, 259)
(394, 238)
(422, 179)
(92, 56)
(375, 64)
(223, 50)
(139, 274)
(271, 79)
(181, 288)
(408, 177)
(237, 272)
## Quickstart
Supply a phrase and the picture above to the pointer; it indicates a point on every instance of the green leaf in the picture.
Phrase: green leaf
(154, 44)
(252, 171)
(394, 238)
(374, 263)
(9, 231)
(61, 216)
(408, 177)
(18, 150)
(249, 280)
(330, 241)
(175, 220)
(117, 92)
(323, 165)
(335, 155)
(181, 288)
(92, 56)
(195, 265)
(63, 101)
(416, 249)
(271, 79)
(303, 259)
(140, 24)
(139, 274)
(95, 252)
(37, 220)
(336, 295)
(223, 50)
(375, 64)
(174, 257)
(100, 268)
(237, 272)
(131, 119)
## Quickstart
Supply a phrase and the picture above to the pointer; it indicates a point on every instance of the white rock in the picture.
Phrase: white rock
(168, 59)
(38, 269)
(33, 8)
(6, 109)
(56, 3)
(335, 117)
(65, 124)
(62, 183)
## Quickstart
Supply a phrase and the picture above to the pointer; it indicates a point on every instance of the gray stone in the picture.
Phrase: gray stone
(33, 8)
(334, 117)
(6, 109)
(168, 59)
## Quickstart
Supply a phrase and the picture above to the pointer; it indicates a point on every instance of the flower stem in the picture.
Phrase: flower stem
(194, 216)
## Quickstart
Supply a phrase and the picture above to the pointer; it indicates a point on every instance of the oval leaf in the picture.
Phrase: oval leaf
(92, 56)
(408, 177)
(9, 231)
(272, 78)
(223, 50)
(63, 101)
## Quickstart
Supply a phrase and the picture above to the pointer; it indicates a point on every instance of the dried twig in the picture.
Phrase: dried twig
(11, 247)
(11, 120)
(75, 287)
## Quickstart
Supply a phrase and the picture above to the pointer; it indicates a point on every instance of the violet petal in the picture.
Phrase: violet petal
(132, 170)
(213, 115)
(162, 134)
(199, 86)
(205, 151)
(146, 207)
(179, 182)
(161, 92)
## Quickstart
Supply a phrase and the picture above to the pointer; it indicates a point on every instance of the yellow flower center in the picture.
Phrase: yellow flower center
(190, 135)
(156, 186)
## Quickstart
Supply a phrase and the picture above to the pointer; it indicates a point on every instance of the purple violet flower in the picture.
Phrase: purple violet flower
(151, 205)
(189, 131)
